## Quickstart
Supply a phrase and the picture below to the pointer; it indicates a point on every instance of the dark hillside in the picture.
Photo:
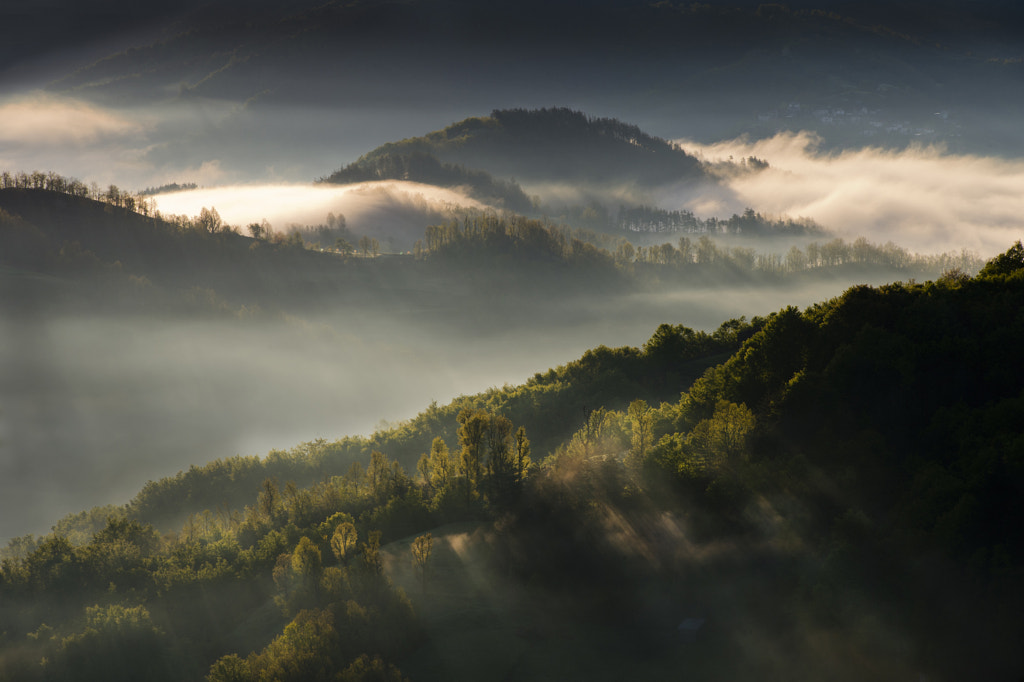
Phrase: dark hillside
(420, 166)
(80, 237)
(545, 144)
(889, 430)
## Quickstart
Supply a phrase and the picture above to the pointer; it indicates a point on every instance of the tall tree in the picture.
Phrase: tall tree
(473, 427)
(641, 423)
(344, 540)
(421, 550)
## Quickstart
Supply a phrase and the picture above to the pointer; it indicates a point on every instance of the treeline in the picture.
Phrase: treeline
(537, 241)
(510, 236)
(814, 257)
(650, 219)
(172, 187)
(55, 182)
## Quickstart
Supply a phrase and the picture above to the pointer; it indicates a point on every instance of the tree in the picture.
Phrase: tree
(344, 541)
(365, 669)
(259, 230)
(307, 564)
(209, 220)
(685, 251)
(587, 440)
(230, 668)
(641, 421)
(522, 456)
(336, 222)
(722, 438)
(707, 252)
(1005, 263)
(499, 455)
(378, 473)
(624, 253)
(268, 499)
(372, 562)
(473, 426)
(796, 261)
(118, 643)
(307, 651)
(441, 473)
(421, 549)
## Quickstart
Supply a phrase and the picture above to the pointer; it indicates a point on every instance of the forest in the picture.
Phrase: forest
(520, 340)
(782, 497)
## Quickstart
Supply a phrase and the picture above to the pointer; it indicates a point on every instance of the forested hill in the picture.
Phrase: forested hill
(846, 488)
(851, 476)
(51, 238)
(420, 166)
(555, 144)
(61, 243)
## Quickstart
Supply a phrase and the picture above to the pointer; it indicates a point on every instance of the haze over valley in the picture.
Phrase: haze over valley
(432, 339)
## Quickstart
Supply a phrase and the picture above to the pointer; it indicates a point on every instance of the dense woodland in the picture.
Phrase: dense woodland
(826, 493)
(840, 484)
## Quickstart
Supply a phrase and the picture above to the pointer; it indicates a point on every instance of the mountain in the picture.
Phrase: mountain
(543, 145)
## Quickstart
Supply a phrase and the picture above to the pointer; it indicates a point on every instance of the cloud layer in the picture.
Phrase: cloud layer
(921, 197)
(47, 121)
(371, 207)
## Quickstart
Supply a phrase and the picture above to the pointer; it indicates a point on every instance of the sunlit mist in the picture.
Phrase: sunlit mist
(283, 205)
(921, 197)
(50, 121)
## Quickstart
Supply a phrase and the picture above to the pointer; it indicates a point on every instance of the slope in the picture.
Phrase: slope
(823, 503)
(555, 145)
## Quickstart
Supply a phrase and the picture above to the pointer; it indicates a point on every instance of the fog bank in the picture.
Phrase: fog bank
(368, 207)
(922, 198)
(93, 407)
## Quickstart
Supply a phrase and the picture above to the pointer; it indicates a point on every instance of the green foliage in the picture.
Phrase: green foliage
(365, 669)
(118, 643)
(422, 547)
(1005, 263)
(343, 541)
(845, 442)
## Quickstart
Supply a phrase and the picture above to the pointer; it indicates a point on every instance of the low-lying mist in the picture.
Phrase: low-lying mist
(94, 406)
(399, 210)
(922, 198)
